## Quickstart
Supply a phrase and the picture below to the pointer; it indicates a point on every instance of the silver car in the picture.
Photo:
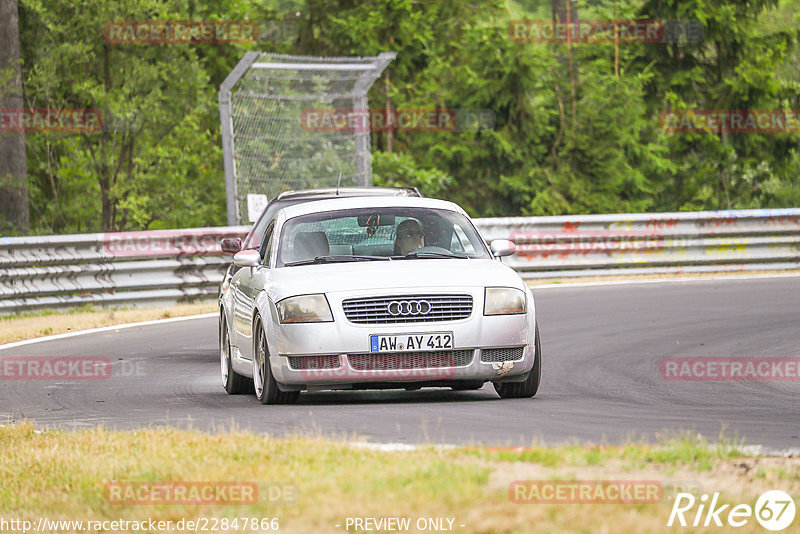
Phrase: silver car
(376, 293)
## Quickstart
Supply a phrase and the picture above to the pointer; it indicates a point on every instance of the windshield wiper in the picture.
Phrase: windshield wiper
(343, 258)
(428, 254)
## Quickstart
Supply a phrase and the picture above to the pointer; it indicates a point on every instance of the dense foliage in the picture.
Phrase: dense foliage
(577, 126)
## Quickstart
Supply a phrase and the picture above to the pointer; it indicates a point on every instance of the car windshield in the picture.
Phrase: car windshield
(256, 234)
(366, 234)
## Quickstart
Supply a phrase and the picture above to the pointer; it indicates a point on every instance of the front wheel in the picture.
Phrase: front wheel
(528, 388)
(267, 391)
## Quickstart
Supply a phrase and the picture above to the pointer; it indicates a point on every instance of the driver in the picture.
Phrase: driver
(409, 237)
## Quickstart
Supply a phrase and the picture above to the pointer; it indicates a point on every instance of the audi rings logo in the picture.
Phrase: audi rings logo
(409, 307)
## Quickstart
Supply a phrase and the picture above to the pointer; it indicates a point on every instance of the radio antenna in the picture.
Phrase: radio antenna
(338, 183)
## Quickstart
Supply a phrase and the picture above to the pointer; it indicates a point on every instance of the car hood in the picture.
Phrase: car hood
(390, 276)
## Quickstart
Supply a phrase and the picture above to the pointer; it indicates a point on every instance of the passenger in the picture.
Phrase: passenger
(409, 237)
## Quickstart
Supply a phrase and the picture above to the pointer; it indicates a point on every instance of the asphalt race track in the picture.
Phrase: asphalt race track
(602, 347)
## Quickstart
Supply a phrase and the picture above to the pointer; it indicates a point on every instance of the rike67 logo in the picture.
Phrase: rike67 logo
(774, 510)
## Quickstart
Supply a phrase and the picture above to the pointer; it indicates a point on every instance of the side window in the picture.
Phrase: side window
(455, 244)
(266, 244)
(460, 241)
(256, 236)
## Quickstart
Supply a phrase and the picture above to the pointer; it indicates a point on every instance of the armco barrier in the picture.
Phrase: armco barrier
(643, 243)
(122, 268)
(183, 265)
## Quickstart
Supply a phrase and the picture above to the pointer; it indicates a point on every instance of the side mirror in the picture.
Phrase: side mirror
(247, 258)
(231, 245)
(502, 247)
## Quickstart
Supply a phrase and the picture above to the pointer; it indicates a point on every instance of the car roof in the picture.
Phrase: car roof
(351, 192)
(368, 202)
(310, 195)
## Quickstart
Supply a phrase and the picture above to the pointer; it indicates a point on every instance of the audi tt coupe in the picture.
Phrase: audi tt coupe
(376, 293)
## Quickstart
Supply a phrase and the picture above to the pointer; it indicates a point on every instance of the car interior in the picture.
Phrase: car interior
(370, 234)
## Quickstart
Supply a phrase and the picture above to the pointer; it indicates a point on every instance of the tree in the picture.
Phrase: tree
(576, 127)
(732, 66)
(14, 217)
(156, 161)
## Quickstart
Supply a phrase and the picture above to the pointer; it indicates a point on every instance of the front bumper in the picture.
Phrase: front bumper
(302, 355)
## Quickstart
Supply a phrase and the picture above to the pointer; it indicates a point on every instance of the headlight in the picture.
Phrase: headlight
(504, 301)
(305, 309)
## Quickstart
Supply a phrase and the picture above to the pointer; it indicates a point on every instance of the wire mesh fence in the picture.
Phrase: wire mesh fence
(268, 143)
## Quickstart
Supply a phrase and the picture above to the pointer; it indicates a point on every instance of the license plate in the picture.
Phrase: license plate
(411, 342)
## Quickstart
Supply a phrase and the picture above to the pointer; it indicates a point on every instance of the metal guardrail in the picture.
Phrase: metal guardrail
(167, 266)
(647, 243)
(161, 266)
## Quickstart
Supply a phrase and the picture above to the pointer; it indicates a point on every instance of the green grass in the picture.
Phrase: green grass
(690, 451)
(63, 475)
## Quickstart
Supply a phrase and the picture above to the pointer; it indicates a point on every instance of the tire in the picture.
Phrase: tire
(267, 391)
(528, 388)
(233, 382)
(467, 385)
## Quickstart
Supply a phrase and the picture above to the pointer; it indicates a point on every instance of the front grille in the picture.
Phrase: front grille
(375, 310)
(302, 363)
(505, 354)
(391, 361)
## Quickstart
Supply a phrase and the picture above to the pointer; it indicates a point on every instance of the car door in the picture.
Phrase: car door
(246, 284)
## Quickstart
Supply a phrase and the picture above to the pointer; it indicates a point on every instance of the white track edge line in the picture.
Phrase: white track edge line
(664, 280)
(106, 329)
(747, 450)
